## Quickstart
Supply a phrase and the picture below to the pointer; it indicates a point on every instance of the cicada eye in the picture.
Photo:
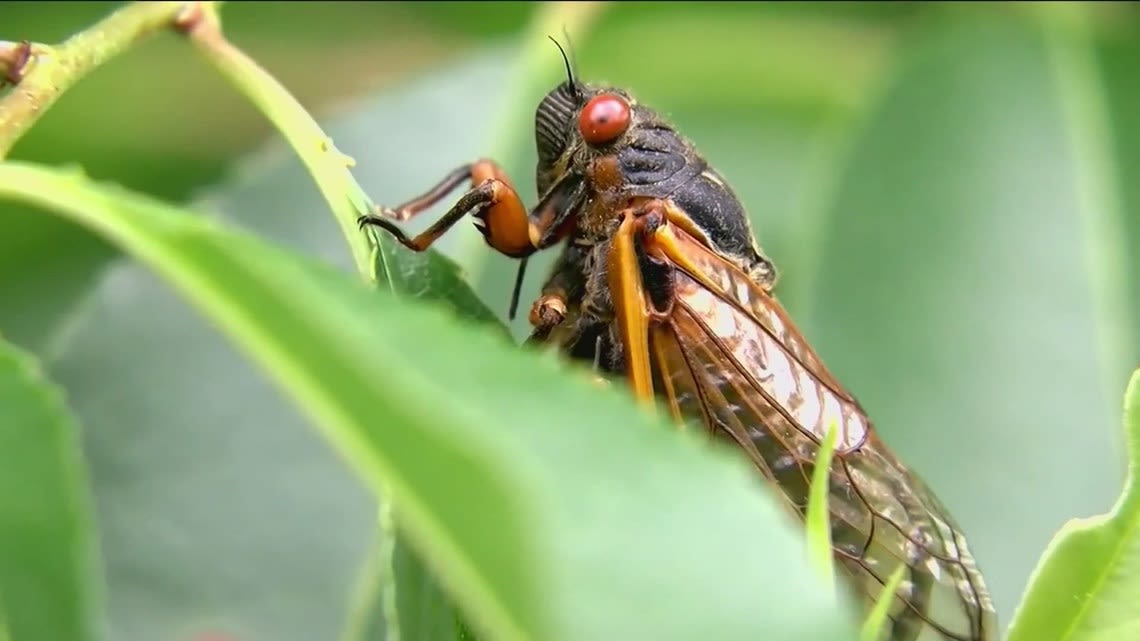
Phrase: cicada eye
(603, 119)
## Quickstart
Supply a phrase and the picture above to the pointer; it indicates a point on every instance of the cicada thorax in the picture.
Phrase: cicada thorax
(653, 163)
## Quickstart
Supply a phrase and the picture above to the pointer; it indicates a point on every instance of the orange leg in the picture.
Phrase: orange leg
(499, 212)
(632, 307)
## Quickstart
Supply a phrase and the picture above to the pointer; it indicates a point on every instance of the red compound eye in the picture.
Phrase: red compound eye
(603, 119)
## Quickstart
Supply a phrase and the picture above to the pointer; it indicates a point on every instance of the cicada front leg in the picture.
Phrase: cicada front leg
(498, 210)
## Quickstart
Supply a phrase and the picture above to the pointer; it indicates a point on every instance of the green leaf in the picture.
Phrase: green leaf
(1083, 99)
(879, 615)
(430, 276)
(370, 616)
(818, 519)
(294, 517)
(49, 571)
(954, 294)
(1117, 60)
(396, 586)
(208, 484)
(1087, 584)
(595, 546)
(424, 610)
(46, 266)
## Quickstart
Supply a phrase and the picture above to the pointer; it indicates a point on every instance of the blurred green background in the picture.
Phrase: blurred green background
(950, 192)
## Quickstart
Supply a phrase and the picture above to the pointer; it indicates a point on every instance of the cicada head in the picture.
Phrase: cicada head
(576, 121)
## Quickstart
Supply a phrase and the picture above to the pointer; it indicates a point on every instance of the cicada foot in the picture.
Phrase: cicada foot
(548, 311)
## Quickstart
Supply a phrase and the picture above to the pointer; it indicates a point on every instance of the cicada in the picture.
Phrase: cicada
(660, 283)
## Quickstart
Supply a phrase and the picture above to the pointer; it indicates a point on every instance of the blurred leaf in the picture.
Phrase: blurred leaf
(46, 268)
(953, 295)
(808, 64)
(1099, 201)
(880, 614)
(1087, 583)
(208, 484)
(540, 490)
(167, 145)
(329, 169)
(484, 18)
(429, 276)
(818, 522)
(49, 573)
(398, 597)
(371, 616)
(424, 610)
(1117, 59)
(293, 516)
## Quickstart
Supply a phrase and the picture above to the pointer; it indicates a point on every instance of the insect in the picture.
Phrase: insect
(661, 283)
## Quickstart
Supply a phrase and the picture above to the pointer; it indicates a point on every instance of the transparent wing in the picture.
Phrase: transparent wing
(728, 357)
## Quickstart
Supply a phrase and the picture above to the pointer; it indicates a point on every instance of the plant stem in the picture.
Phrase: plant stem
(53, 70)
(328, 167)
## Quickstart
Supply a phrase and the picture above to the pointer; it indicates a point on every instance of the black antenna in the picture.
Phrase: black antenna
(517, 291)
(569, 67)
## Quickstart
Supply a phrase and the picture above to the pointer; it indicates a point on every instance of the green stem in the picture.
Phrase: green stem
(386, 551)
(328, 166)
(347, 200)
(374, 596)
(53, 70)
